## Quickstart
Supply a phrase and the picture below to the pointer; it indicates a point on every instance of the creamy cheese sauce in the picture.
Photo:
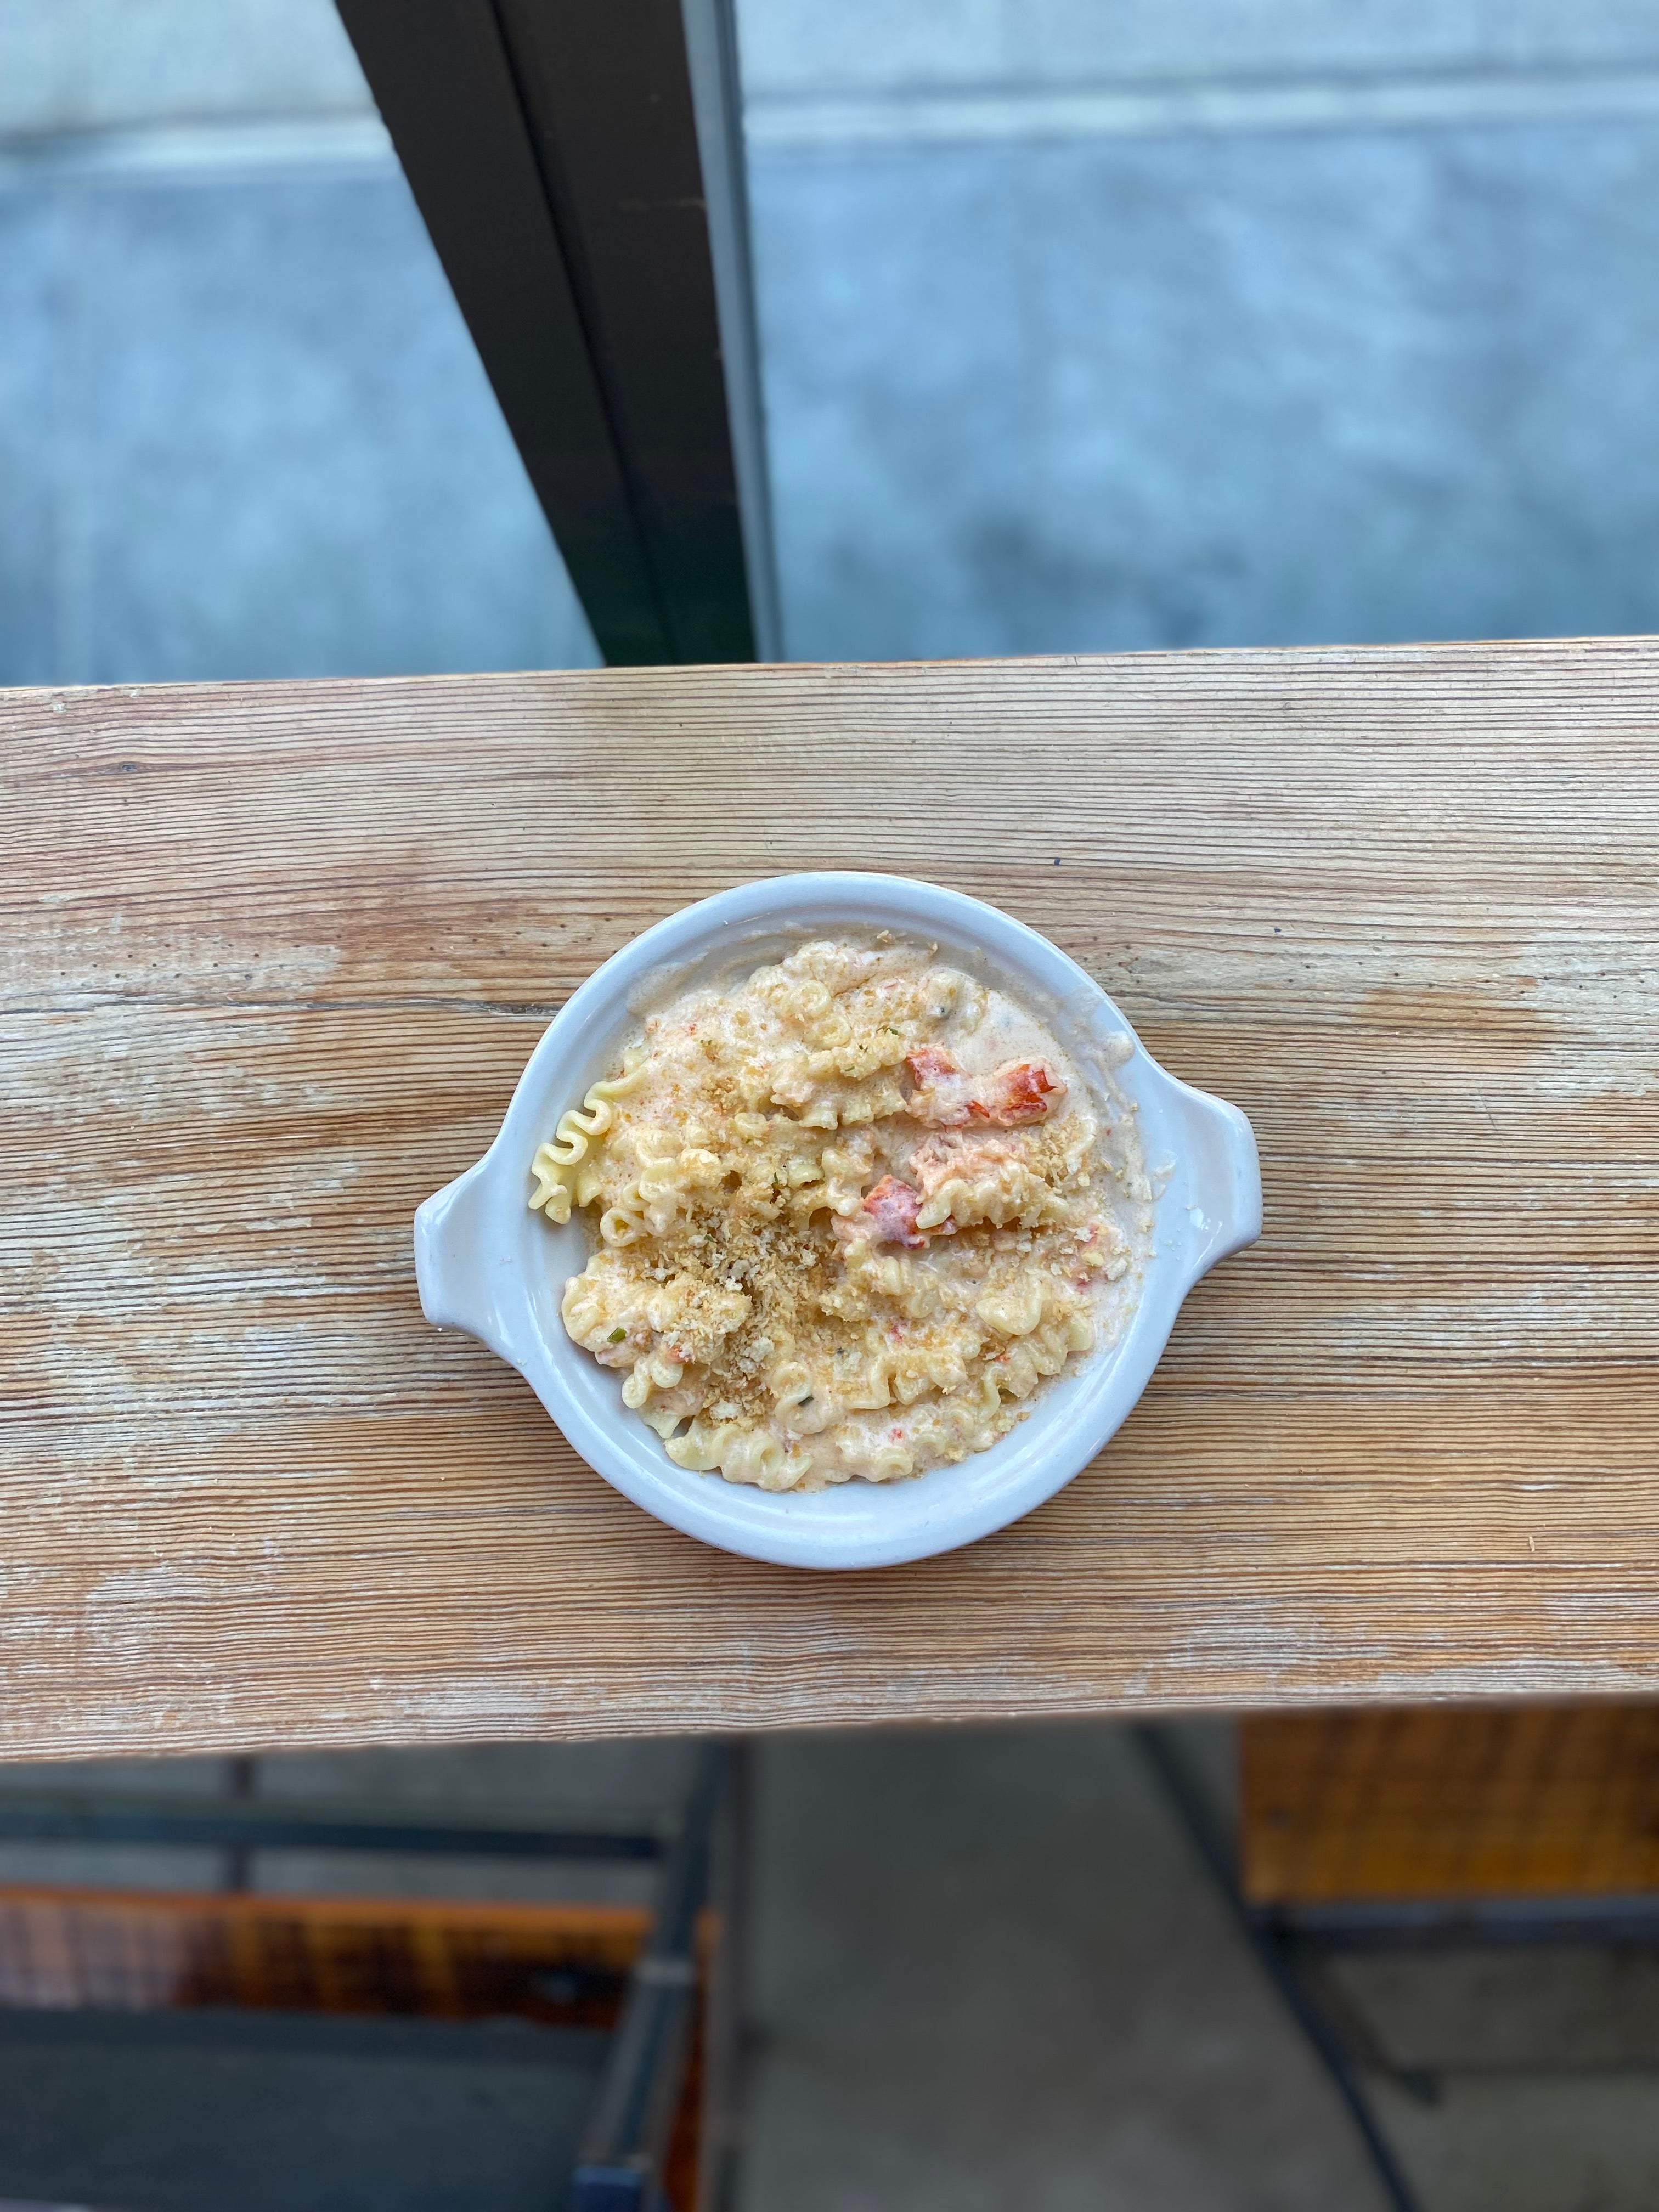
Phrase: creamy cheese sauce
(852, 1212)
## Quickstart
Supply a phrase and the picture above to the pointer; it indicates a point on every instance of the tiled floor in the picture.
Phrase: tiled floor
(1015, 46)
(1040, 376)
(243, 433)
(1226, 389)
(272, 2113)
(993, 1977)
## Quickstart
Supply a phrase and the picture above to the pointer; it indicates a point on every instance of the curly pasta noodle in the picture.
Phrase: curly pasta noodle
(558, 1165)
(852, 1213)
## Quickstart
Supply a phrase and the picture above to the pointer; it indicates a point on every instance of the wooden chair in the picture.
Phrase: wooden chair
(625, 2010)
(1436, 1828)
(1450, 1804)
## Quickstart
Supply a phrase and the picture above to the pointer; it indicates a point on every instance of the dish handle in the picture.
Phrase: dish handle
(1223, 1186)
(460, 1269)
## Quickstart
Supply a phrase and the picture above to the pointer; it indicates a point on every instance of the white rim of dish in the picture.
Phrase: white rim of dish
(484, 1263)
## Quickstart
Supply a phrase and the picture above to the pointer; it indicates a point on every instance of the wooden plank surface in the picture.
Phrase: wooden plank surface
(76, 1948)
(274, 956)
(1447, 1802)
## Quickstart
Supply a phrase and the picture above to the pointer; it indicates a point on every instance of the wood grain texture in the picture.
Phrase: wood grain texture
(274, 956)
(1516, 1802)
(74, 1949)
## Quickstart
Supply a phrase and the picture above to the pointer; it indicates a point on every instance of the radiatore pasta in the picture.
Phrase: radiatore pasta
(851, 1214)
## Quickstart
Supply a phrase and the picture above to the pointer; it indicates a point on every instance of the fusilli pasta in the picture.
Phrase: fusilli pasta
(851, 1214)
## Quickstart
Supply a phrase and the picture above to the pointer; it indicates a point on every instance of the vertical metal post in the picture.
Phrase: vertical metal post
(579, 166)
(244, 1782)
(626, 2142)
(711, 47)
(1194, 1812)
(728, 2012)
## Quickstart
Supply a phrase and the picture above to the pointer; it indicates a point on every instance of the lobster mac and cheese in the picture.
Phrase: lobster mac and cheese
(851, 1214)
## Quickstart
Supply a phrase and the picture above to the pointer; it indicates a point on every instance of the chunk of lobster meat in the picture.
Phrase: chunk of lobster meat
(943, 1094)
(1019, 1091)
(891, 1206)
(945, 1097)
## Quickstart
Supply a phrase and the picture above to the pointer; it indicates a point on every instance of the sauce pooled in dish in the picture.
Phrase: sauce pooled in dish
(851, 1214)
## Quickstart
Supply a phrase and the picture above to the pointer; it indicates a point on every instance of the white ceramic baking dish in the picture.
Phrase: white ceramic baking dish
(485, 1263)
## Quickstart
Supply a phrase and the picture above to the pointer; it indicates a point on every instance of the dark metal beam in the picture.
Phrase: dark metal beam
(711, 51)
(256, 1824)
(728, 2041)
(1192, 1808)
(626, 2140)
(579, 166)
(1467, 1924)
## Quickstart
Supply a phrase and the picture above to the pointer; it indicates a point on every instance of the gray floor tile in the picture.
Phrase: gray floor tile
(277, 451)
(116, 1778)
(792, 47)
(609, 1782)
(365, 1874)
(30, 436)
(1112, 39)
(1330, 388)
(273, 2113)
(114, 1866)
(304, 445)
(1226, 390)
(110, 1866)
(1531, 2143)
(1220, 39)
(1538, 34)
(992, 1975)
(80, 64)
(648, 1775)
(903, 380)
(1555, 2009)
(92, 64)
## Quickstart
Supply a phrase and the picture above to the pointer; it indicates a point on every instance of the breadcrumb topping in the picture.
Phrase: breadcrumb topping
(852, 1213)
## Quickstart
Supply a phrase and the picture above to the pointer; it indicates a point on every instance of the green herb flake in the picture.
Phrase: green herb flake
(617, 1335)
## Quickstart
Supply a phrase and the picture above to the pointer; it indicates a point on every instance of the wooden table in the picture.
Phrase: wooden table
(274, 956)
